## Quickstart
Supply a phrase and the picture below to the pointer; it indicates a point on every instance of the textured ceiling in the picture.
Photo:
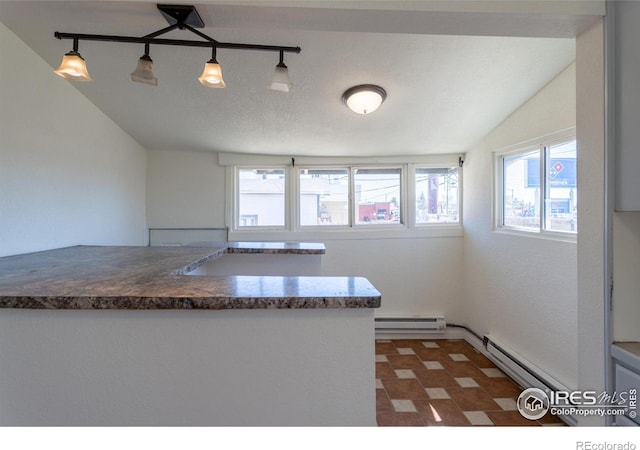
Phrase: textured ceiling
(445, 90)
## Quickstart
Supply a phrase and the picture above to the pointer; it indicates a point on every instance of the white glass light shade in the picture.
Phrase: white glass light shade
(144, 72)
(280, 81)
(212, 75)
(73, 67)
(364, 99)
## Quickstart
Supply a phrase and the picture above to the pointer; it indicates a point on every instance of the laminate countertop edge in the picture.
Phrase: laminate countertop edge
(145, 278)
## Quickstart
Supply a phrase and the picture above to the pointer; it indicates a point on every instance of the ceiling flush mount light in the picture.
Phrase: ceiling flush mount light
(73, 67)
(364, 99)
(144, 69)
(280, 81)
(182, 17)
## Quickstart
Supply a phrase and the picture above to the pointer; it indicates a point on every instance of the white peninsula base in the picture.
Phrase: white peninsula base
(306, 367)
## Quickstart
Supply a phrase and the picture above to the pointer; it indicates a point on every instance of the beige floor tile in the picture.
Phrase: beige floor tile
(477, 418)
(403, 406)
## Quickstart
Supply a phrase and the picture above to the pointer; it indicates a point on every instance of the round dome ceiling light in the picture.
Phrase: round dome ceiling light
(364, 99)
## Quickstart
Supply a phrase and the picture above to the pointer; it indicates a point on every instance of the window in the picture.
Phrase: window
(561, 193)
(538, 188)
(324, 197)
(437, 195)
(521, 191)
(261, 198)
(377, 196)
(306, 195)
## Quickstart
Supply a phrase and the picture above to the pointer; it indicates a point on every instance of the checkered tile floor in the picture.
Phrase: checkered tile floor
(444, 382)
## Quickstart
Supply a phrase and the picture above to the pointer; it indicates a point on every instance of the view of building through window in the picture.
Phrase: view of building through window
(261, 198)
(324, 197)
(437, 195)
(561, 197)
(377, 196)
(345, 196)
(523, 189)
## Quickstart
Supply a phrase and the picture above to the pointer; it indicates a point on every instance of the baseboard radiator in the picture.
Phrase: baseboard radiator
(522, 371)
(409, 325)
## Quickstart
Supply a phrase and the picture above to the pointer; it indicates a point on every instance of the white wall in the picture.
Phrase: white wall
(626, 260)
(417, 276)
(68, 174)
(522, 290)
(590, 121)
(185, 190)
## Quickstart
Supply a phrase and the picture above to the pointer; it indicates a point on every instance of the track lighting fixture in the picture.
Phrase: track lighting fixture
(183, 17)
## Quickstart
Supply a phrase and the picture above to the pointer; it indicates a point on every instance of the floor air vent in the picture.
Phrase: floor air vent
(411, 324)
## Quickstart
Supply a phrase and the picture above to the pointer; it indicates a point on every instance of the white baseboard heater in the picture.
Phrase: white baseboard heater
(524, 372)
(410, 324)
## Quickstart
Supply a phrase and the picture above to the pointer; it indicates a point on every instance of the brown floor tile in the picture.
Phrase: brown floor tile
(465, 369)
(441, 412)
(408, 389)
(499, 387)
(479, 359)
(408, 343)
(473, 399)
(435, 378)
(510, 419)
(450, 412)
(385, 348)
(404, 419)
(454, 346)
(382, 401)
(384, 370)
(432, 354)
(405, 362)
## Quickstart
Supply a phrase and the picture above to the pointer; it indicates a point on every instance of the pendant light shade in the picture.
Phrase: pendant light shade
(364, 99)
(73, 67)
(212, 74)
(280, 81)
(144, 72)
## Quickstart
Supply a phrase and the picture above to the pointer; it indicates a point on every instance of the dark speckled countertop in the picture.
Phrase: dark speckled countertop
(88, 277)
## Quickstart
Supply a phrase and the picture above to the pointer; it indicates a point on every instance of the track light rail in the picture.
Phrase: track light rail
(182, 17)
(174, 42)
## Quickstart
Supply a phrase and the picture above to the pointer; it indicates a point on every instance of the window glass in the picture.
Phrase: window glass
(377, 196)
(561, 194)
(261, 197)
(324, 197)
(521, 190)
(437, 199)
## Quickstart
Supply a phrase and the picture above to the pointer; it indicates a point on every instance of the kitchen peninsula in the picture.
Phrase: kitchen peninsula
(121, 336)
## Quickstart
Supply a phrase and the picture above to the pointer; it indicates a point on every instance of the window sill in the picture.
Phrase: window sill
(346, 234)
(547, 235)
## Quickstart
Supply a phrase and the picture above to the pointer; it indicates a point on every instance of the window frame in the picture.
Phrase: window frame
(542, 146)
(297, 207)
(413, 168)
(236, 197)
(294, 230)
(402, 201)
